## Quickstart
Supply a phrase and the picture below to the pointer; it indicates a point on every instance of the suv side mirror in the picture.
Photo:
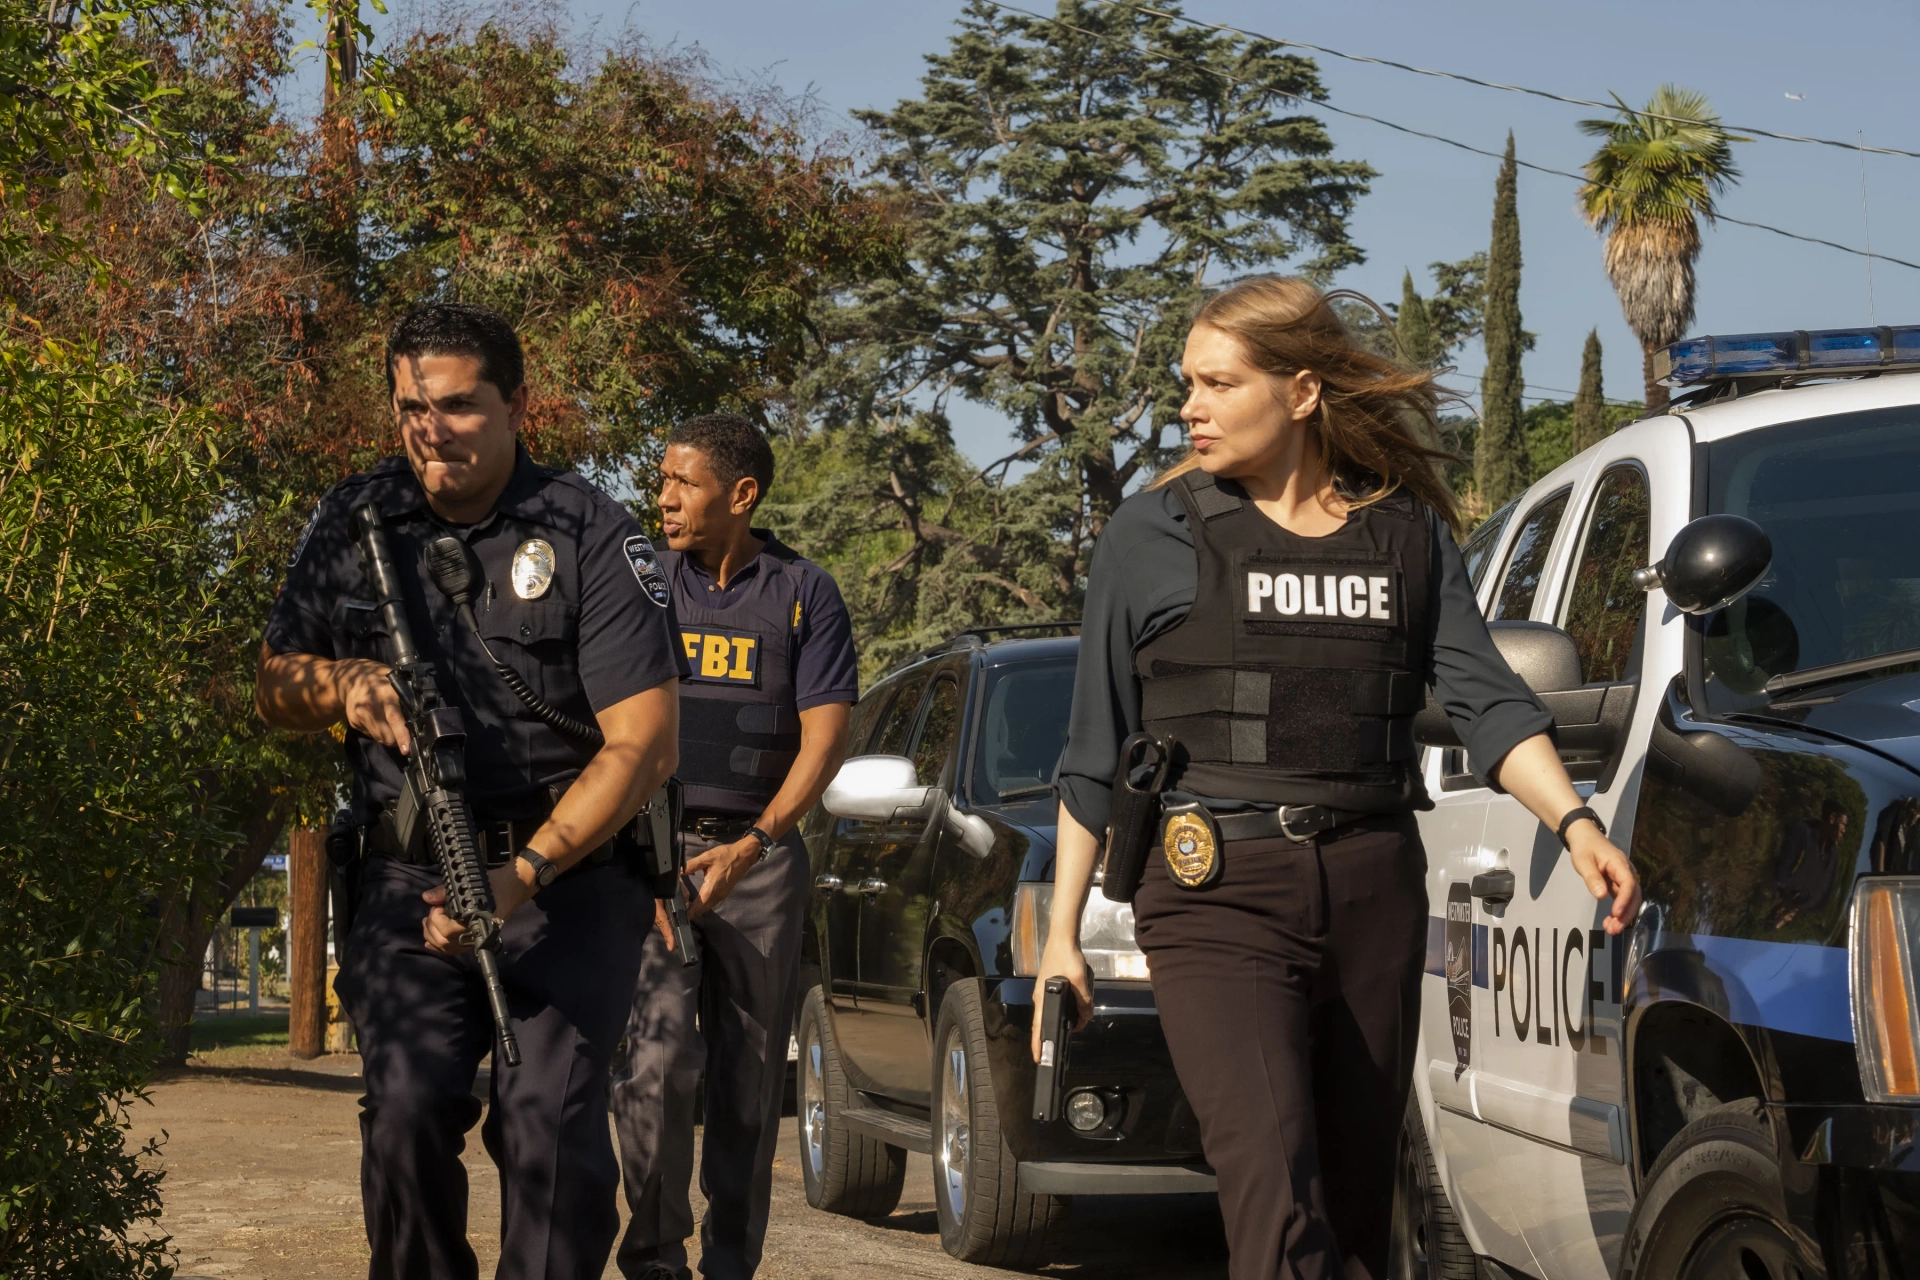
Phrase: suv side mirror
(1710, 563)
(1542, 655)
(879, 789)
(1589, 720)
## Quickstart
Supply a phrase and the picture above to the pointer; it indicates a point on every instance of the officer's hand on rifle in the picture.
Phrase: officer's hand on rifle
(370, 703)
(447, 936)
(725, 865)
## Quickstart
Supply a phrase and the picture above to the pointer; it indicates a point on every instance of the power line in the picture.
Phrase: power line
(1495, 84)
(1463, 146)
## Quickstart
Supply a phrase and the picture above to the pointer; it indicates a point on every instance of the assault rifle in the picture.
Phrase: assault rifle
(651, 834)
(433, 803)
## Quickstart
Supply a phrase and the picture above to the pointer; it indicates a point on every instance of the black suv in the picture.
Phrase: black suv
(933, 869)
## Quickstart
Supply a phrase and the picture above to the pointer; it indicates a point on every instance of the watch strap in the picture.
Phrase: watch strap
(766, 841)
(543, 870)
(1573, 816)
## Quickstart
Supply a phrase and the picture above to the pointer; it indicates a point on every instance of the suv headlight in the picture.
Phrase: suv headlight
(1106, 933)
(1886, 1021)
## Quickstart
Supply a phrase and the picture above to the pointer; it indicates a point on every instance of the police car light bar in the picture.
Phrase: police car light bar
(1743, 355)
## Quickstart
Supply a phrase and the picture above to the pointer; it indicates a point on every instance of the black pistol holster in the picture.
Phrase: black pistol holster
(1133, 818)
(654, 850)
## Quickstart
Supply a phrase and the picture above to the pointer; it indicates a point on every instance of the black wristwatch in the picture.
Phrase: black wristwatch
(544, 872)
(1573, 816)
(766, 843)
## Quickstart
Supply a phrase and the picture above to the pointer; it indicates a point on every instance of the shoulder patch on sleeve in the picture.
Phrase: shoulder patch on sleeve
(299, 548)
(646, 569)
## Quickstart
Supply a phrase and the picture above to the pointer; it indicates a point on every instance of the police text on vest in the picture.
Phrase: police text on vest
(1358, 597)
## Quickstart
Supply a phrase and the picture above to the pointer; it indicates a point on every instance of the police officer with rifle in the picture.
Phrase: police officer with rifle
(499, 643)
(1261, 626)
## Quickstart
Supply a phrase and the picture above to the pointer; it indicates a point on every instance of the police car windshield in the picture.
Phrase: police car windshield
(1840, 499)
(1025, 729)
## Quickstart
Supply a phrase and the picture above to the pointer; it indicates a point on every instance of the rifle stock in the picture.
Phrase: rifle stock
(433, 804)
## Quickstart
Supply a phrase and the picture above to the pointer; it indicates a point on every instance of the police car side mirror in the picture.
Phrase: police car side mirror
(1710, 563)
(1544, 657)
(879, 789)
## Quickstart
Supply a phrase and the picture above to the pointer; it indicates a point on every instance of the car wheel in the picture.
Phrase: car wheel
(1714, 1206)
(845, 1172)
(983, 1215)
(1426, 1242)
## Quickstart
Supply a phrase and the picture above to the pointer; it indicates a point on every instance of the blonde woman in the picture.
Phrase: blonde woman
(1274, 606)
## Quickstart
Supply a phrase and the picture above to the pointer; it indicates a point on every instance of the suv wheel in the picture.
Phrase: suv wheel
(983, 1216)
(845, 1172)
(1426, 1242)
(1714, 1207)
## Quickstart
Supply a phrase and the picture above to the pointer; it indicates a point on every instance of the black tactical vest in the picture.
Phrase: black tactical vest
(739, 727)
(1295, 677)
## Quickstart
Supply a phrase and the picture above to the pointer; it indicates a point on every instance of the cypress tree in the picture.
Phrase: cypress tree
(1419, 344)
(1500, 464)
(1589, 405)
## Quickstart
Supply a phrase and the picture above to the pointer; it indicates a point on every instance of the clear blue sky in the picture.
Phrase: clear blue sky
(1432, 202)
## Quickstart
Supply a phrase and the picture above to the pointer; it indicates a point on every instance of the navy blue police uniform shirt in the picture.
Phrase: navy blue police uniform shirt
(599, 631)
(825, 667)
(1142, 581)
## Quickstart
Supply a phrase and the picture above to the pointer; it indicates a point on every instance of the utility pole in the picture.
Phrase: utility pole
(307, 943)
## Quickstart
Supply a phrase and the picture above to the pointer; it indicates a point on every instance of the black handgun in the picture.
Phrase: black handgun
(1059, 1010)
(433, 802)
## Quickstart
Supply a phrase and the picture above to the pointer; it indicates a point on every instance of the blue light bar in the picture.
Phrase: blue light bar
(1708, 359)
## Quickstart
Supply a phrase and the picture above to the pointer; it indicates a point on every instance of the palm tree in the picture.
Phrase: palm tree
(1653, 178)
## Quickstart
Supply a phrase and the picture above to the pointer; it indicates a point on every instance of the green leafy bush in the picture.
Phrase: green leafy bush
(105, 614)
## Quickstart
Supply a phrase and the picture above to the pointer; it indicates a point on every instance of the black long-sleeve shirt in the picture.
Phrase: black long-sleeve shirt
(1142, 581)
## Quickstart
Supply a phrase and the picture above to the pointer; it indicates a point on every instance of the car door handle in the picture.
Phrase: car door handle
(828, 882)
(1494, 887)
(872, 886)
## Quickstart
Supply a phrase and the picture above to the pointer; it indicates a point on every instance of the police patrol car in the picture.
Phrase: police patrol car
(1731, 1088)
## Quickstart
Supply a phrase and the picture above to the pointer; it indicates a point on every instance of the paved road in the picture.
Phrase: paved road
(262, 1157)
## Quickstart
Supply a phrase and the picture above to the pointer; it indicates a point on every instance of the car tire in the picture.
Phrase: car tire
(1426, 1242)
(845, 1172)
(983, 1215)
(1714, 1206)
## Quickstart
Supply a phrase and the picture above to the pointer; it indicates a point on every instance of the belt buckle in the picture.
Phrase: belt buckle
(1287, 830)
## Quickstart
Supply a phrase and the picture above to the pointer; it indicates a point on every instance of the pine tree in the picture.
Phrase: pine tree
(1419, 344)
(1500, 464)
(1590, 405)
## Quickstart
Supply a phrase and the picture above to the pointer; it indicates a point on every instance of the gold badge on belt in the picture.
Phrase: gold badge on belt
(1192, 845)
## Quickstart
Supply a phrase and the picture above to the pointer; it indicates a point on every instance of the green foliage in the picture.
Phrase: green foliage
(106, 628)
(1501, 469)
(1590, 402)
(659, 247)
(1550, 426)
(1654, 175)
(1662, 164)
(1073, 183)
(1419, 342)
(79, 97)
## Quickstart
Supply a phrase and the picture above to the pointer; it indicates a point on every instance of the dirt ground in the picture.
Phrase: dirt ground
(262, 1157)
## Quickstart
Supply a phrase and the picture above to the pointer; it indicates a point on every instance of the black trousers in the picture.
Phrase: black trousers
(569, 960)
(1290, 996)
(725, 1022)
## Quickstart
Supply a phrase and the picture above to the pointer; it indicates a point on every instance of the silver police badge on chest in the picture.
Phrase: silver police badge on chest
(532, 569)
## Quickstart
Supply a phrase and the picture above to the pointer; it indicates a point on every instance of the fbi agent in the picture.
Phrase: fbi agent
(763, 728)
(1274, 608)
(572, 599)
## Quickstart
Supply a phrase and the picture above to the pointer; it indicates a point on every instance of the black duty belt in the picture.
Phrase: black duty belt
(1299, 823)
(721, 828)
